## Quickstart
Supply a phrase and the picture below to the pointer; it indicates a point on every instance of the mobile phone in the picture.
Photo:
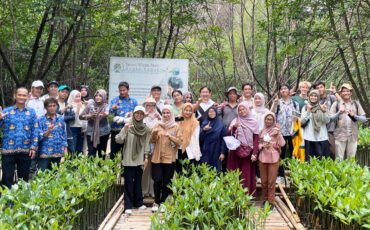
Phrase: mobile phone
(177, 119)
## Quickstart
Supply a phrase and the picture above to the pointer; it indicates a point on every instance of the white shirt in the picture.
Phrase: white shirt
(38, 105)
(193, 150)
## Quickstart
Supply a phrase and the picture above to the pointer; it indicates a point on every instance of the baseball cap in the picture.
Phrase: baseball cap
(37, 83)
(64, 87)
(53, 82)
(139, 108)
(156, 87)
(232, 88)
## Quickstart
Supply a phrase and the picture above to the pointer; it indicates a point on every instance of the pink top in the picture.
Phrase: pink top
(272, 154)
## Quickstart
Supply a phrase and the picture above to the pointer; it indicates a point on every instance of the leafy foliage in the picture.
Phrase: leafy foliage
(363, 136)
(340, 188)
(51, 200)
(206, 200)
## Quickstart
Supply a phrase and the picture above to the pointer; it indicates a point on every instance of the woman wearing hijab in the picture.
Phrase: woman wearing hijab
(98, 129)
(76, 125)
(270, 142)
(166, 136)
(313, 120)
(245, 129)
(211, 140)
(259, 109)
(135, 137)
(190, 137)
(151, 118)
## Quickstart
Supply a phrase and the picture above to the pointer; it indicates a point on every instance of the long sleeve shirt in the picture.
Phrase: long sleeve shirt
(53, 144)
(124, 106)
(19, 130)
(164, 152)
(128, 139)
(309, 133)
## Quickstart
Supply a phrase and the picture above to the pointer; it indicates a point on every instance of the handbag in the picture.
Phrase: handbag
(243, 151)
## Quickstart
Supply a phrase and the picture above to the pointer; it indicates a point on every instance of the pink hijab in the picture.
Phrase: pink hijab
(248, 125)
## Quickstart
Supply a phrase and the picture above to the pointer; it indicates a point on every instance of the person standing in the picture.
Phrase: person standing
(36, 103)
(259, 109)
(98, 130)
(270, 143)
(190, 129)
(229, 111)
(166, 136)
(245, 128)
(156, 92)
(135, 139)
(347, 113)
(151, 118)
(121, 106)
(212, 144)
(328, 101)
(52, 88)
(77, 125)
(247, 90)
(204, 103)
(52, 136)
(302, 98)
(65, 109)
(19, 140)
(286, 110)
(314, 119)
(177, 102)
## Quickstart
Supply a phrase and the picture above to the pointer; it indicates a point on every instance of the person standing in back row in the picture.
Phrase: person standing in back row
(120, 106)
(347, 114)
(286, 110)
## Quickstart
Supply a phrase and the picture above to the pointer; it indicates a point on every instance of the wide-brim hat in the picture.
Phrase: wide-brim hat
(347, 86)
(232, 88)
(149, 100)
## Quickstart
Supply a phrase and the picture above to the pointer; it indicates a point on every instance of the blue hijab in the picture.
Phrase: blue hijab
(217, 130)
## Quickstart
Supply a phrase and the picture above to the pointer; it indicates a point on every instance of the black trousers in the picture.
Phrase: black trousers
(288, 141)
(181, 157)
(162, 175)
(132, 187)
(23, 162)
(102, 147)
(318, 149)
(114, 146)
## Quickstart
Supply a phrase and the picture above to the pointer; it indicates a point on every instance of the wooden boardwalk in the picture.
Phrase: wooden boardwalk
(140, 219)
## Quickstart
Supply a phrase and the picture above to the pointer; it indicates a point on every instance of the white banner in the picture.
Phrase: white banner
(143, 73)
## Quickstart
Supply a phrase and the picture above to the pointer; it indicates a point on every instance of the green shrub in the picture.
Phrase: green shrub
(363, 136)
(51, 200)
(205, 200)
(340, 188)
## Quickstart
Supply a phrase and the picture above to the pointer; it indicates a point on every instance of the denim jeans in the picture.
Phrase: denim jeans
(78, 139)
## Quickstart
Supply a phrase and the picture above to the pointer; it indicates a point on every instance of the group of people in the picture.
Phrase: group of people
(154, 138)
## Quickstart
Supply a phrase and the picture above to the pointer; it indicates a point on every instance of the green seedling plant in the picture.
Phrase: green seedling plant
(52, 199)
(340, 188)
(203, 199)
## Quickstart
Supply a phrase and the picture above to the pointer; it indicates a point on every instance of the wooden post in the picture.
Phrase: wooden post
(287, 212)
(290, 205)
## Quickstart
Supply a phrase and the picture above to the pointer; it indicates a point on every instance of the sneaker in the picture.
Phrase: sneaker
(155, 207)
(128, 211)
(281, 180)
(272, 207)
(142, 207)
(258, 180)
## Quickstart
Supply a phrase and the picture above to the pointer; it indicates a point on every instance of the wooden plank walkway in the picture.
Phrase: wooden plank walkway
(140, 219)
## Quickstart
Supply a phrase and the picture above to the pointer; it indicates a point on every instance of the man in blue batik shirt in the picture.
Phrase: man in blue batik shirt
(121, 106)
(52, 137)
(19, 140)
